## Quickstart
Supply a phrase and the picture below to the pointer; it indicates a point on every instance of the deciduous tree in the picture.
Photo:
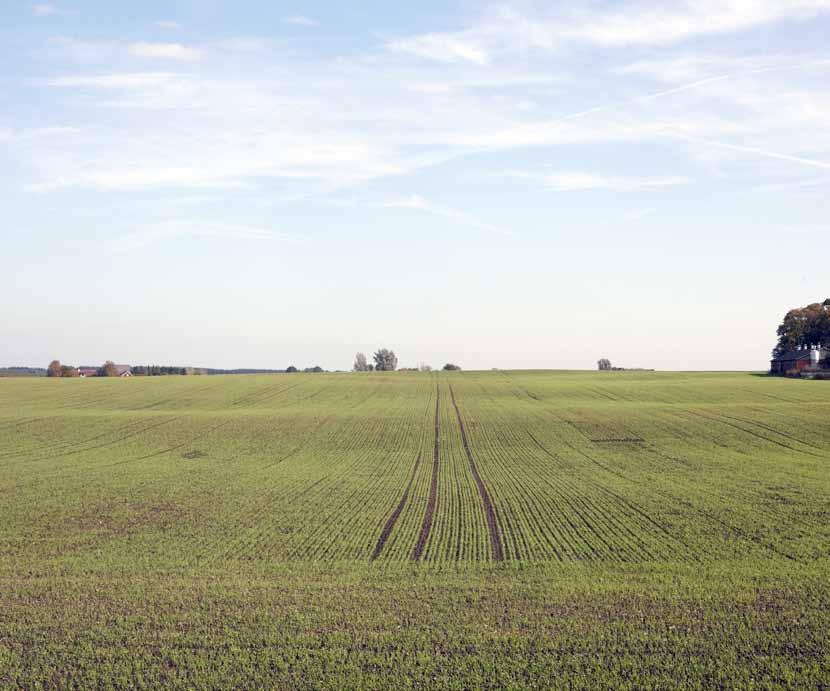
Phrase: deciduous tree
(804, 326)
(54, 369)
(108, 369)
(360, 363)
(385, 360)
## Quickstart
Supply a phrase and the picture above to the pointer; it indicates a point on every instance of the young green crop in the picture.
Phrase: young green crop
(427, 530)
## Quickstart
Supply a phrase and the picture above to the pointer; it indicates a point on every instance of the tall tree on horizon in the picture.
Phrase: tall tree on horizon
(360, 363)
(108, 369)
(385, 360)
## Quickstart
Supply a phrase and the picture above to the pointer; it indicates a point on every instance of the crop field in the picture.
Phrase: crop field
(505, 529)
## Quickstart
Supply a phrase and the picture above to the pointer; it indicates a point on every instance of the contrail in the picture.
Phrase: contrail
(678, 89)
(723, 145)
(684, 87)
(639, 99)
(751, 150)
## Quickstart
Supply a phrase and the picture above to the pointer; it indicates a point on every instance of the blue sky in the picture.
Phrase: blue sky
(508, 185)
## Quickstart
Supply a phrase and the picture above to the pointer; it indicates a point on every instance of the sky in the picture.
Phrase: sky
(512, 185)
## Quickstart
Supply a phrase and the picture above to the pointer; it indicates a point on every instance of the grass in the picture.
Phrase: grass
(464, 530)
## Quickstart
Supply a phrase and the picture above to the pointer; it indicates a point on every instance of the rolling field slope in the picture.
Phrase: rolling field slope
(408, 529)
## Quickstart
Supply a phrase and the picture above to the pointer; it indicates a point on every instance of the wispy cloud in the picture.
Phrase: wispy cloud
(442, 47)
(638, 215)
(505, 31)
(581, 181)
(44, 10)
(665, 24)
(125, 80)
(138, 178)
(271, 118)
(164, 51)
(299, 20)
(692, 68)
(170, 230)
(35, 133)
(415, 202)
(796, 184)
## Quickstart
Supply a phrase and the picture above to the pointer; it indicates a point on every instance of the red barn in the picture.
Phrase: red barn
(805, 358)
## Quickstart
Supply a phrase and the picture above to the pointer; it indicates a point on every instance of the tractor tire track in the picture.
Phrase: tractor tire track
(310, 436)
(667, 494)
(620, 498)
(114, 442)
(671, 497)
(721, 419)
(489, 509)
(161, 452)
(387, 529)
(267, 394)
(432, 500)
(64, 445)
(670, 537)
(755, 423)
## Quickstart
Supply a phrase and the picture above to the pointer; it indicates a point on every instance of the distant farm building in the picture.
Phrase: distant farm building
(803, 362)
(120, 371)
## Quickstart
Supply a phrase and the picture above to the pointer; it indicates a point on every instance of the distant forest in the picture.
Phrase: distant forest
(164, 370)
(22, 371)
(150, 370)
(209, 370)
(385, 360)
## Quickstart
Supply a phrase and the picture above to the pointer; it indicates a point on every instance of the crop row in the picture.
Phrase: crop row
(520, 467)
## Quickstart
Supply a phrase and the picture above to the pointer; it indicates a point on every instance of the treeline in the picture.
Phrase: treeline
(246, 370)
(384, 360)
(22, 372)
(110, 369)
(165, 370)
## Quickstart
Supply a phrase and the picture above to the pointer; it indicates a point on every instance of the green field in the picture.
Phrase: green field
(396, 530)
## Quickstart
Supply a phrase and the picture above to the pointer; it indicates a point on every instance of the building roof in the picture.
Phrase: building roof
(793, 355)
(122, 369)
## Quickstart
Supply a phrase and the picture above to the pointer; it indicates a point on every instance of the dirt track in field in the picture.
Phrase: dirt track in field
(387, 529)
(489, 511)
(432, 501)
